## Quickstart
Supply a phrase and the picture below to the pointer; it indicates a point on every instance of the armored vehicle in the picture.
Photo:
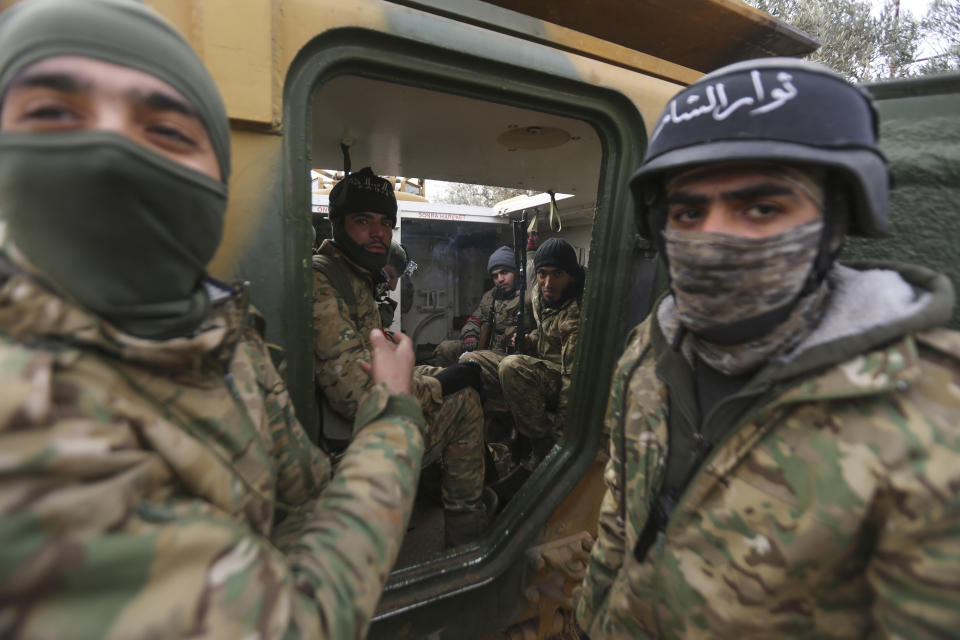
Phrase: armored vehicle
(534, 95)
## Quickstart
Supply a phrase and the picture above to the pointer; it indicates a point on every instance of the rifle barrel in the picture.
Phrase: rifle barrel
(520, 257)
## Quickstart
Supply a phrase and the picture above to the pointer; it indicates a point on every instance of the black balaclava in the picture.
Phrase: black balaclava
(558, 253)
(361, 192)
(127, 233)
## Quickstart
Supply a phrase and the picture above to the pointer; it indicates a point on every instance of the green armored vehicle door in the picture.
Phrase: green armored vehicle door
(411, 108)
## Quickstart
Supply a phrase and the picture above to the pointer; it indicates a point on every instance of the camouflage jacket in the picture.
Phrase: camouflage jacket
(554, 333)
(831, 509)
(155, 489)
(555, 330)
(342, 341)
(504, 312)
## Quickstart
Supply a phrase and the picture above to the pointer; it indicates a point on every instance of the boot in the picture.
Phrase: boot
(461, 527)
(539, 448)
(507, 486)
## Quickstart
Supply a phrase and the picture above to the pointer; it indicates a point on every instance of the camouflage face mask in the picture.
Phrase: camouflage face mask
(720, 280)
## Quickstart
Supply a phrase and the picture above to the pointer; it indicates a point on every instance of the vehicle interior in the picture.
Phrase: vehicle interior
(401, 130)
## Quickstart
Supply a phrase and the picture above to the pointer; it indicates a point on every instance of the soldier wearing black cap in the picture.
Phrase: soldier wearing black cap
(537, 383)
(783, 428)
(363, 212)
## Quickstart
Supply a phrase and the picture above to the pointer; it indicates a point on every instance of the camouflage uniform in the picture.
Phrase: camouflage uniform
(503, 327)
(829, 508)
(447, 353)
(454, 424)
(166, 489)
(532, 385)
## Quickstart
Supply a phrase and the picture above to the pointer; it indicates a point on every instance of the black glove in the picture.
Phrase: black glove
(460, 376)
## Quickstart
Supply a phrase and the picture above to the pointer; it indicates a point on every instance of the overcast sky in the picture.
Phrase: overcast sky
(916, 7)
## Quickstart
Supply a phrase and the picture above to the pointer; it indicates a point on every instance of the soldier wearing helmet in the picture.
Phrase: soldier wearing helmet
(783, 428)
(398, 265)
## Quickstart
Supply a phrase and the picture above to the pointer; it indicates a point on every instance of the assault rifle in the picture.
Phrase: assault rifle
(486, 329)
(520, 258)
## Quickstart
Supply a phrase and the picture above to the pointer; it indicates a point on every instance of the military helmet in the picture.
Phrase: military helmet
(771, 109)
(397, 256)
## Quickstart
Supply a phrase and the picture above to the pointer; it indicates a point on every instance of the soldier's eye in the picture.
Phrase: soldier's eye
(763, 210)
(685, 216)
(49, 113)
(172, 135)
(52, 113)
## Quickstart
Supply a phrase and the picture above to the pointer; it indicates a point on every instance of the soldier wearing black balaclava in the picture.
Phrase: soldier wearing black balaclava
(156, 482)
(347, 270)
(358, 192)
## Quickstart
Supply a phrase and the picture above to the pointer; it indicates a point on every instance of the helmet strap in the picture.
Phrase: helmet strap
(835, 208)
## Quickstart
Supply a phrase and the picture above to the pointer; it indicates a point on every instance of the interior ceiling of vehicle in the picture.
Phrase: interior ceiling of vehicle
(406, 131)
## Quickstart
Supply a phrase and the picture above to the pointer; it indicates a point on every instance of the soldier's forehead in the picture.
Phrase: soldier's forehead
(370, 213)
(774, 170)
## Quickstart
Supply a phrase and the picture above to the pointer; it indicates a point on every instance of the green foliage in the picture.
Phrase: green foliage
(858, 44)
(473, 194)
(941, 27)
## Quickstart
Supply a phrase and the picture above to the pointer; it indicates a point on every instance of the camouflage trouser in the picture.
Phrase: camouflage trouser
(489, 362)
(453, 434)
(447, 352)
(531, 388)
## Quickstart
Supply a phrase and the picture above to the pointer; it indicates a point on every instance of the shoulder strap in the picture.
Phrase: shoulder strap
(943, 340)
(338, 277)
(332, 425)
(621, 377)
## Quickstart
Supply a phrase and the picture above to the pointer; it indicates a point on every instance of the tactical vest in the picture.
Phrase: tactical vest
(335, 430)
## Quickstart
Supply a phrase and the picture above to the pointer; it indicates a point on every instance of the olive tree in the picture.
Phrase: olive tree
(860, 45)
(474, 194)
(941, 28)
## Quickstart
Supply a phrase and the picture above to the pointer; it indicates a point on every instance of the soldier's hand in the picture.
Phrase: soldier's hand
(392, 361)
(469, 343)
(531, 344)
